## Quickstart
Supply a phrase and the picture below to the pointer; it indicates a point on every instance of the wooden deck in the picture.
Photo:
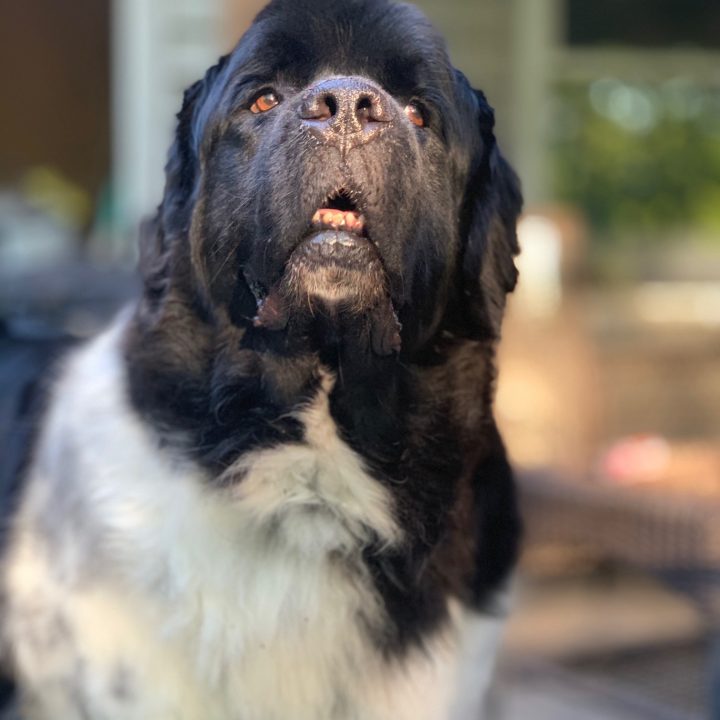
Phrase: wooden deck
(545, 692)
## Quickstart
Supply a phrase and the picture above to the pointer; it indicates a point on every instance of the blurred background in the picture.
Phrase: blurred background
(609, 394)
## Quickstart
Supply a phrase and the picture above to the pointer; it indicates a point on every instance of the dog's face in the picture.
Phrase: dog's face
(336, 166)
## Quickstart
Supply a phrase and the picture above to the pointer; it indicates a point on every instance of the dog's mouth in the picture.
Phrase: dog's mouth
(336, 266)
(337, 235)
(340, 213)
(336, 257)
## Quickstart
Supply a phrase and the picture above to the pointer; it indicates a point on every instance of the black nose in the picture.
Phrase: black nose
(346, 111)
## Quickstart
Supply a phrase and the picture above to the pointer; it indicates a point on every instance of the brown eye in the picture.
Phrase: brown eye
(414, 115)
(265, 102)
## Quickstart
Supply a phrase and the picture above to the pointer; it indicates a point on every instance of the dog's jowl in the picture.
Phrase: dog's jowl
(274, 488)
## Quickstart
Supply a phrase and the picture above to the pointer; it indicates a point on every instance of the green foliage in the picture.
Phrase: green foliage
(641, 160)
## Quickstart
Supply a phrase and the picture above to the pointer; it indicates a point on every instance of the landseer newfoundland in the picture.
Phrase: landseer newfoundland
(274, 489)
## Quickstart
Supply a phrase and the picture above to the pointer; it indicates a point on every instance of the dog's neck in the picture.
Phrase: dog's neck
(230, 388)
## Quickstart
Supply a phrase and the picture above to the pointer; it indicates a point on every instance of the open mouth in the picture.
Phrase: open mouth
(337, 233)
(340, 213)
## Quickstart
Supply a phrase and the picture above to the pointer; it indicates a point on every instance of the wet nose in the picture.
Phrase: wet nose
(346, 111)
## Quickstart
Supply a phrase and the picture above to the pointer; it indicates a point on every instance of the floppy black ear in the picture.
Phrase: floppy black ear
(493, 202)
(181, 172)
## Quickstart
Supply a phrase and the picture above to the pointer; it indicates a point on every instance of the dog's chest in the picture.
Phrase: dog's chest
(151, 594)
(280, 622)
(280, 636)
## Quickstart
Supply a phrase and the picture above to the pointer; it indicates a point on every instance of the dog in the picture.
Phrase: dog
(274, 487)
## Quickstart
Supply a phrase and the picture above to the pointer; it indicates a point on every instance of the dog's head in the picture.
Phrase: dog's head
(336, 169)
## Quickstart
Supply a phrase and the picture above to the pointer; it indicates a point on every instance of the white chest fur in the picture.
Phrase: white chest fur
(138, 591)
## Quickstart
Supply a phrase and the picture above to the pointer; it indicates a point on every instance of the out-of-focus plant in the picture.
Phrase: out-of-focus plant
(640, 160)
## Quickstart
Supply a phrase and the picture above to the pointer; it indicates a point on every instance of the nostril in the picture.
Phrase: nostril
(323, 109)
(331, 105)
(363, 110)
(320, 108)
(368, 109)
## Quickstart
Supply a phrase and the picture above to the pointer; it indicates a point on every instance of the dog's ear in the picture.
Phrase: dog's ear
(181, 173)
(493, 202)
(181, 170)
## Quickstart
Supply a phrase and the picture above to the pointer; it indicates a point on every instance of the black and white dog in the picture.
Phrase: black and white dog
(274, 489)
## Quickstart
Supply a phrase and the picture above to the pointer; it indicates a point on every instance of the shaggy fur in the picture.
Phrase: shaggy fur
(274, 488)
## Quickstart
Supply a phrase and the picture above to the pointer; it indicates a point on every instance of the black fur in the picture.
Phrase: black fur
(441, 204)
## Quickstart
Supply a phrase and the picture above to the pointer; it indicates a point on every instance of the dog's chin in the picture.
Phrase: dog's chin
(338, 276)
(338, 270)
